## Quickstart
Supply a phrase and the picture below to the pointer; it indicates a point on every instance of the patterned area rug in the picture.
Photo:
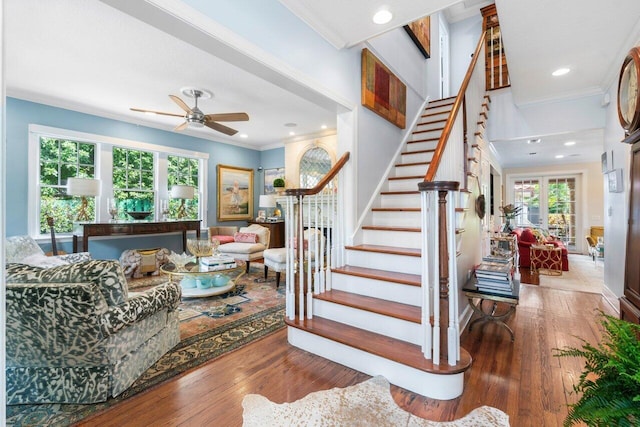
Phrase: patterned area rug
(366, 404)
(209, 327)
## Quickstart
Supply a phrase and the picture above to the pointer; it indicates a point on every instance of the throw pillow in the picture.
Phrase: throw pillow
(43, 261)
(224, 239)
(527, 236)
(245, 237)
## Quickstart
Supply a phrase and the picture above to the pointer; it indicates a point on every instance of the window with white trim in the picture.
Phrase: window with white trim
(133, 172)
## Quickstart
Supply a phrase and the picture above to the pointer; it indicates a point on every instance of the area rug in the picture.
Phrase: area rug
(209, 327)
(583, 276)
(366, 404)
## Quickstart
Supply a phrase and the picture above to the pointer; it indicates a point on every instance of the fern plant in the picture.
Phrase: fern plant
(610, 382)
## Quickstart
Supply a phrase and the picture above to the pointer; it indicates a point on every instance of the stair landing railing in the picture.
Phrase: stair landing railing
(314, 240)
(441, 336)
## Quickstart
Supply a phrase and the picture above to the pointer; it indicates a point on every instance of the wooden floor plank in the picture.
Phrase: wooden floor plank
(522, 378)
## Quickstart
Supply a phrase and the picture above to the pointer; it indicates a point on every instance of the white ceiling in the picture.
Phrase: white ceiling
(87, 56)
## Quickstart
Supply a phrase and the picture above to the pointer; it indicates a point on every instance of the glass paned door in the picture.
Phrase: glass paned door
(527, 196)
(562, 209)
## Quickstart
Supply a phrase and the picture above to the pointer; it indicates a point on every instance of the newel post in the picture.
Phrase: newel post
(445, 335)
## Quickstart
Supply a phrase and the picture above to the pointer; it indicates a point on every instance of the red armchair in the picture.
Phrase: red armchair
(526, 238)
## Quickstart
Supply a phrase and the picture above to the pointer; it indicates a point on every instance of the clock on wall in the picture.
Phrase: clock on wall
(628, 96)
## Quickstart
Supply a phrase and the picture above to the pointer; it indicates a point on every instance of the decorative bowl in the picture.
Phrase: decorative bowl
(200, 247)
(220, 280)
(139, 215)
(179, 260)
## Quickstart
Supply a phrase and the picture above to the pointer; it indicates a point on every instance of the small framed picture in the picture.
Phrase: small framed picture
(605, 164)
(615, 181)
(262, 215)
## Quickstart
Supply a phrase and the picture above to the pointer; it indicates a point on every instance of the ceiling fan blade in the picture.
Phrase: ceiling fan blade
(227, 117)
(181, 103)
(220, 128)
(181, 126)
(139, 110)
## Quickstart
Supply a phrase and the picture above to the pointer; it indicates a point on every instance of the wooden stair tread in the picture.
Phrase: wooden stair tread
(373, 273)
(399, 193)
(431, 122)
(395, 209)
(428, 150)
(394, 250)
(390, 228)
(386, 347)
(415, 141)
(395, 178)
(396, 310)
(427, 130)
(399, 165)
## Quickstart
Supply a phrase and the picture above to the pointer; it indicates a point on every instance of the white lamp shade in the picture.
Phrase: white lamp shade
(182, 192)
(83, 187)
(267, 201)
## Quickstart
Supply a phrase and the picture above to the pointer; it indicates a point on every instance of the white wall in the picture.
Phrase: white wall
(616, 205)
(463, 37)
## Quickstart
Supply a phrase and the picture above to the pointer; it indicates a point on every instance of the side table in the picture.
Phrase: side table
(477, 298)
(546, 259)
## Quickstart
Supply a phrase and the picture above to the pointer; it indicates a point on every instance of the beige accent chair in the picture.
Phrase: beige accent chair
(224, 233)
(248, 251)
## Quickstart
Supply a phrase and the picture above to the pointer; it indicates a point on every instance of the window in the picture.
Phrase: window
(61, 159)
(138, 174)
(133, 181)
(183, 171)
(314, 165)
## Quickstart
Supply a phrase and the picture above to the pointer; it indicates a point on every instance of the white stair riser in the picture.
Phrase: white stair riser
(430, 124)
(389, 262)
(405, 239)
(405, 184)
(424, 135)
(417, 157)
(442, 387)
(435, 114)
(395, 218)
(412, 170)
(400, 200)
(390, 291)
(437, 108)
(369, 321)
(420, 146)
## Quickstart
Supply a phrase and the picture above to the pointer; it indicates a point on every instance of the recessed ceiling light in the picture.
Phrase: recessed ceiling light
(534, 141)
(559, 156)
(323, 127)
(560, 72)
(292, 133)
(570, 143)
(244, 135)
(382, 16)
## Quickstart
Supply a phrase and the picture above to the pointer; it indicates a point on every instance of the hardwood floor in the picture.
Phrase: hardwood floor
(522, 378)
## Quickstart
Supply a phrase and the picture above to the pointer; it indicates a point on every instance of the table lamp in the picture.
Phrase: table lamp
(83, 187)
(268, 202)
(182, 192)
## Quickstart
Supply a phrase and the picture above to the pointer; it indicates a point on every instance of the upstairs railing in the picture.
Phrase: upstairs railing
(314, 240)
(441, 340)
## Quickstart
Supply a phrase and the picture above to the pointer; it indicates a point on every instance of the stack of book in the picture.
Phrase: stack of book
(495, 276)
(217, 262)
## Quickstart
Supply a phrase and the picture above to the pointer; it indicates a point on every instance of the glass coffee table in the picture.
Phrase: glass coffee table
(198, 282)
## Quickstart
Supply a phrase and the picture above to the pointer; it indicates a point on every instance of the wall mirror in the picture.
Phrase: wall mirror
(314, 165)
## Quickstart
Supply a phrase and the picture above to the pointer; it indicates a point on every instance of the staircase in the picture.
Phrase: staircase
(371, 319)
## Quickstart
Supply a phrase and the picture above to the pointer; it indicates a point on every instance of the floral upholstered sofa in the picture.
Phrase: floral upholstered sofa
(74, 334)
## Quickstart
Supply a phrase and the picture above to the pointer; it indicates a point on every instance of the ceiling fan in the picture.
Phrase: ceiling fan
(195, 117)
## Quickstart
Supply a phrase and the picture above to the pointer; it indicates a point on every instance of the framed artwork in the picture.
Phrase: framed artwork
(235, 193)
(269, 176)
(603, 161)
(383, 92)
(420, 33)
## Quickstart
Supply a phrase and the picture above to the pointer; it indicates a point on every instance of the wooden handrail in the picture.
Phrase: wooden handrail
(448, 126)
(323, 183)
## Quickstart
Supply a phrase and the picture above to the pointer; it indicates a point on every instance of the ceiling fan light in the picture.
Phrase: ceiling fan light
(382, 17)
(195, 124)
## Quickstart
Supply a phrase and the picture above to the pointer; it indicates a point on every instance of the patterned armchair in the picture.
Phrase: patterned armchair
(75, 335)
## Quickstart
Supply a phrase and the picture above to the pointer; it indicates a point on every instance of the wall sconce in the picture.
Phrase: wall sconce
(182, 192)
(83, 187)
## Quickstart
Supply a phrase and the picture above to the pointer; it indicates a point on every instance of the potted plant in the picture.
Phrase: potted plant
(610, 382)
(278, 185)
(509, 212)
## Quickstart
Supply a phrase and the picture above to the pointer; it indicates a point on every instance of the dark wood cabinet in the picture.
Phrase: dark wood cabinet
(277, 232)
(630, 302)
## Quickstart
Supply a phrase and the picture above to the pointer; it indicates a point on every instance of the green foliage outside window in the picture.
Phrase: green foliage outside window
(133, 181)
(61, 159)
(183, 171)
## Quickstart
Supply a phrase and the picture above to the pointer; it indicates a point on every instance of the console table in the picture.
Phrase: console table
(130, 228)
(509, 299)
